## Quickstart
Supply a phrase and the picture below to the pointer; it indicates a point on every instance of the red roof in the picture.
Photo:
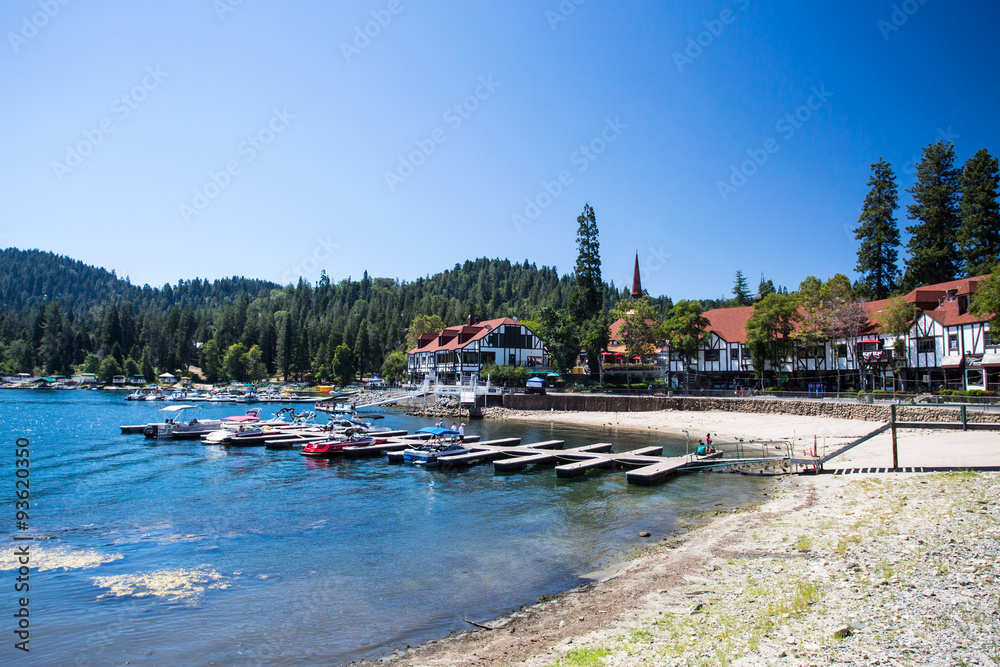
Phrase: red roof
(464, 333)
(729, 324)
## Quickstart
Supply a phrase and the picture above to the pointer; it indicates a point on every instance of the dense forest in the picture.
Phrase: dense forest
(58, 314)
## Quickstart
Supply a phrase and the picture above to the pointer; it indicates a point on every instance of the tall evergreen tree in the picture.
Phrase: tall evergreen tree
(741, 292)
(878, 232)
(362, 349)
(112, 332)
(979, 231)
(52, 353)
(588, 299)
(933, 255)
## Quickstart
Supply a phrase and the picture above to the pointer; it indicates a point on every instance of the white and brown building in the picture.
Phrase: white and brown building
(458, 352)
(946, 346)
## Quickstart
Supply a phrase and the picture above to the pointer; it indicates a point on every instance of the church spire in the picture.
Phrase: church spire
(636, 283)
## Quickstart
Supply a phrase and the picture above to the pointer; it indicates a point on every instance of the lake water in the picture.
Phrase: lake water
(180, 553)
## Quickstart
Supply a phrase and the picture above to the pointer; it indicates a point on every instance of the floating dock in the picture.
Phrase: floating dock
(508, 455)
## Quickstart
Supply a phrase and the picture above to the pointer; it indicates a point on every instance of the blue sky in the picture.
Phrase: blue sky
(216, 137)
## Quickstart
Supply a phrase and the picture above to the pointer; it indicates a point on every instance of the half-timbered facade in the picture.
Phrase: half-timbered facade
(946, 346)
(458, 352)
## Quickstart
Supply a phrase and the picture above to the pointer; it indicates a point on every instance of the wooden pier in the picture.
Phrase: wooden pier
(478, 453)
(508, 455)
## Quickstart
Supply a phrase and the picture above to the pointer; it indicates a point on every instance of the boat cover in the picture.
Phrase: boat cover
(435, 431)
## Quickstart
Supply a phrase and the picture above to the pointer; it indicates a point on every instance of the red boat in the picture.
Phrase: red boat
(324, 449)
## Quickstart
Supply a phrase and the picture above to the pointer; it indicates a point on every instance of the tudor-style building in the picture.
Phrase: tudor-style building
(461, 351)
(946, 346)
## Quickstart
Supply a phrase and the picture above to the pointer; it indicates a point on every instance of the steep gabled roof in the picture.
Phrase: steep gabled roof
(729, 324)
(456, 333)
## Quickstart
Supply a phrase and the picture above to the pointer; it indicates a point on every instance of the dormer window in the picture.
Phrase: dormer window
(963, 304)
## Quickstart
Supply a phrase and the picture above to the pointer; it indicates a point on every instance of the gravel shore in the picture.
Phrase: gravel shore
(880, 569)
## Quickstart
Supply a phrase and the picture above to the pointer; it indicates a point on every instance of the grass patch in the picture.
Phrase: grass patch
(583, 657)
(803, 543)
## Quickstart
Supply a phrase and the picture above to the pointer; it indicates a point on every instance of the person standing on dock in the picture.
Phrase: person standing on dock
(461, 432)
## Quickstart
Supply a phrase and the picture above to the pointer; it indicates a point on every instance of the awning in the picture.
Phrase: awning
(952, 361)
(870, 340)
(991, 359)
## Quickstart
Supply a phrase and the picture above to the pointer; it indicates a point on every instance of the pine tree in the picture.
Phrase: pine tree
(362, 349)
(979, 231)
(112, 330)
(741, 292)
(878, 232)
(933, 255)
(587, 300)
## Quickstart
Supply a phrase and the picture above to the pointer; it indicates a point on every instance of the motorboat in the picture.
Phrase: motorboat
(443, 443)
(173, 426)
(243, 433)
(324, 449)
(247, 397)
(336, 408)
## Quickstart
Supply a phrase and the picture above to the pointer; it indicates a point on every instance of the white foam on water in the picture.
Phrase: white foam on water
(62, 558)
(184, 586)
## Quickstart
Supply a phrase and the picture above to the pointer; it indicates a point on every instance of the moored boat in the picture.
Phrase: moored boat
(335, 446)
(174, 427)
(444, 442)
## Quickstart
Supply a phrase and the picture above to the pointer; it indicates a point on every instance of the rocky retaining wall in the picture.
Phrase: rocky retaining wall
(839, 410)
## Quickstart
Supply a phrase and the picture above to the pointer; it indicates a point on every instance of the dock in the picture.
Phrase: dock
(481, 452)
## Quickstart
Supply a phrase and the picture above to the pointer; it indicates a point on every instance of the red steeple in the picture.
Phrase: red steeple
(636, 283)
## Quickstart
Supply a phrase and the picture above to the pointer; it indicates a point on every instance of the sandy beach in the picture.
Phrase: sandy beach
(845, 568)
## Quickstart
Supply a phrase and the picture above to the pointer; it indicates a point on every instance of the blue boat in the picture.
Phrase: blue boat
(443, 443)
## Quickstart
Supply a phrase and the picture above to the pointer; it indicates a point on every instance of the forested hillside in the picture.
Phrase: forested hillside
(57, 314)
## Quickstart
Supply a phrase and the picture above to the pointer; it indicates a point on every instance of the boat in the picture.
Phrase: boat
(443, 443)
(248, 432)
(336, 408)
(173, 427)
(324, 449)
(247, 397)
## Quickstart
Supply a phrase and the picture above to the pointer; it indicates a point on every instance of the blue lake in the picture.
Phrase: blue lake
(180, 553)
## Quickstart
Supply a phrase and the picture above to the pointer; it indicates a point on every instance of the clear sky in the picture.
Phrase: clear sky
(241, 137)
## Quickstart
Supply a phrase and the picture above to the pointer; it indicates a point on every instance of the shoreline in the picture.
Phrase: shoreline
(819, 573)
(817, 549)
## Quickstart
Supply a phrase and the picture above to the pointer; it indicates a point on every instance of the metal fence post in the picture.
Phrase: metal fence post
(892, 424)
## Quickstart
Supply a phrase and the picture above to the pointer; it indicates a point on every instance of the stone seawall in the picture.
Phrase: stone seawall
(839, 410)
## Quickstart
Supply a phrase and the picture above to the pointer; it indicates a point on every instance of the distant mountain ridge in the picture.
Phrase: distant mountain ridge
(31, 278)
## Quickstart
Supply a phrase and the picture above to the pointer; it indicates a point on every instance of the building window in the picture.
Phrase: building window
(925, 345)
(711, 355)
(952, 341)
(842, 350)
(988, 339)
(735, 353)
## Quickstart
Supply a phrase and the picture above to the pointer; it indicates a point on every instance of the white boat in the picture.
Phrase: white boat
(173, 427)
(429, 455)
